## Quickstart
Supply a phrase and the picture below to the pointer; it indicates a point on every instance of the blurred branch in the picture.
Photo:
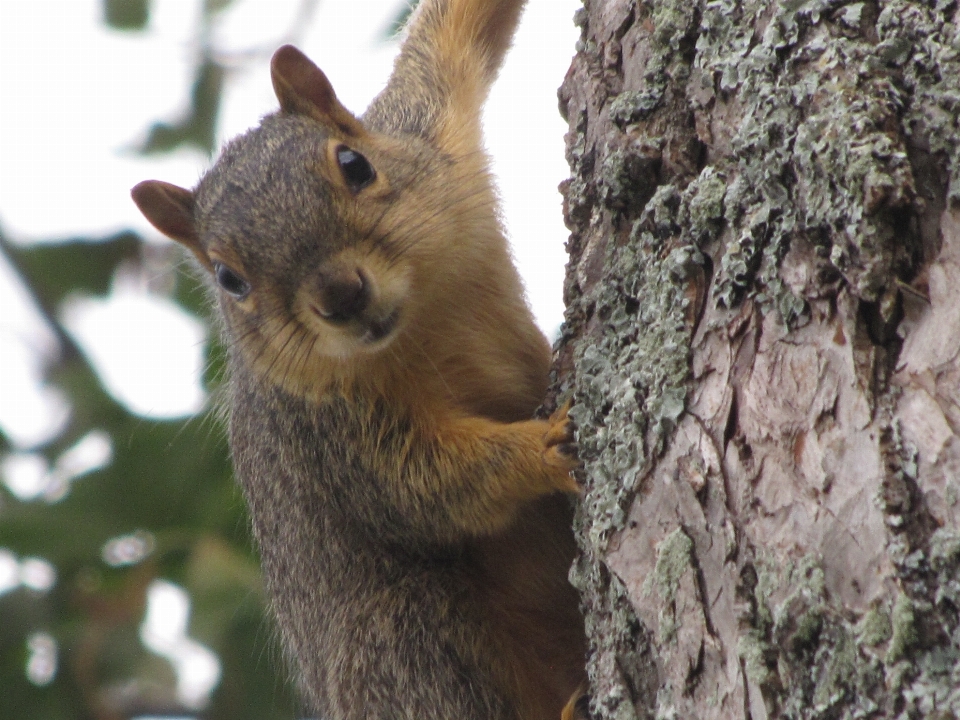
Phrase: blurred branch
(68, 350)
(197, 127)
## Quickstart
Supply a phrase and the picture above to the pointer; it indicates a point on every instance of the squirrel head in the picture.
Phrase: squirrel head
(316, 229)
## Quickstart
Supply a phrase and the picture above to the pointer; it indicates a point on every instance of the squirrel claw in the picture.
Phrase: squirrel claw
(561, 447)
(561, 429)
(559, 433)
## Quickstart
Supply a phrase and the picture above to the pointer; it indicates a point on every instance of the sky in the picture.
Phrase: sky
(79, 97)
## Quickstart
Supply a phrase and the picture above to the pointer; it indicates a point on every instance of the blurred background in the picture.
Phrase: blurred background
(128, 584)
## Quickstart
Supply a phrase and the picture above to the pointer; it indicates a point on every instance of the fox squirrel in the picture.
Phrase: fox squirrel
(384, 369)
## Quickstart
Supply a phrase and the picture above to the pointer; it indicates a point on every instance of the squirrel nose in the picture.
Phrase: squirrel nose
(344, 295)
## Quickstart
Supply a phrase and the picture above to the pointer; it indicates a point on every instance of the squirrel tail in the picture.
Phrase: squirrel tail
(449, 59)
(470, 35)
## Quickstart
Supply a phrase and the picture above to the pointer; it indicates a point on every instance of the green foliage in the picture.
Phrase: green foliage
(170, 480)
(198, 128)
(214, 6)
(56, 269)
(126, 14)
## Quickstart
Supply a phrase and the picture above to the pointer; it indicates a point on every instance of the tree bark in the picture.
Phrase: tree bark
(763, 341)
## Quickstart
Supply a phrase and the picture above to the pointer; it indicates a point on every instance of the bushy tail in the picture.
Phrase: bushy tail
(450, 57)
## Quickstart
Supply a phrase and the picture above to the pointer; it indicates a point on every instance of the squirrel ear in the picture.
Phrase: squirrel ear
(169, 209)
(303, 89)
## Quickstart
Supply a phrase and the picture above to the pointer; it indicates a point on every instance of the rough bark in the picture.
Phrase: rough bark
(763, 341)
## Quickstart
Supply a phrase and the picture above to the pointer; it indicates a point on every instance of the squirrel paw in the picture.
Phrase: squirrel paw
(561, 448)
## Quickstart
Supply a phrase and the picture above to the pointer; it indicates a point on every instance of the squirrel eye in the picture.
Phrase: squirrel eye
(230, 281)
(356, 169)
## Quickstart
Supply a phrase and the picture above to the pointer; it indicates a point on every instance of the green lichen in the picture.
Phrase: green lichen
(623, 178)
(951, 494)
(663, 210)
(805, 578)
(945, 561)
(630, 390)
(706, 204)
(945, 550)
(621, 662)
(630, 106)
(671, 22)
(904, 629)
(753, 648)
(631, 383)
(935, 691)
(673, 561)
(809, 626)
(839, 667)
(668, 625)
(806, 657)
(768, 582)
(798, 621)
(851, 15)
(874, 627)
(927, 52)
(814, 155)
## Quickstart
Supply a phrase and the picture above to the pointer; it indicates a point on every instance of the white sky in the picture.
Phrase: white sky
(77, 97)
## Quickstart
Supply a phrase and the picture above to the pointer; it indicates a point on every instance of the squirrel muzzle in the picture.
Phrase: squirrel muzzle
(353, 302)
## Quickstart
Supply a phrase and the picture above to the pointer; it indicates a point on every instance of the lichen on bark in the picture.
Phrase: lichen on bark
(765, 353)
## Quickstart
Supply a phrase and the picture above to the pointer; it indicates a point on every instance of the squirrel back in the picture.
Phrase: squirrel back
(384, 370)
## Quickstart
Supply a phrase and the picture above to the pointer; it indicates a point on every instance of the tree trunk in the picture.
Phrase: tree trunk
(763, 340)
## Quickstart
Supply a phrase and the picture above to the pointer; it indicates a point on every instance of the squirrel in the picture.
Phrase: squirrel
(413, 518)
